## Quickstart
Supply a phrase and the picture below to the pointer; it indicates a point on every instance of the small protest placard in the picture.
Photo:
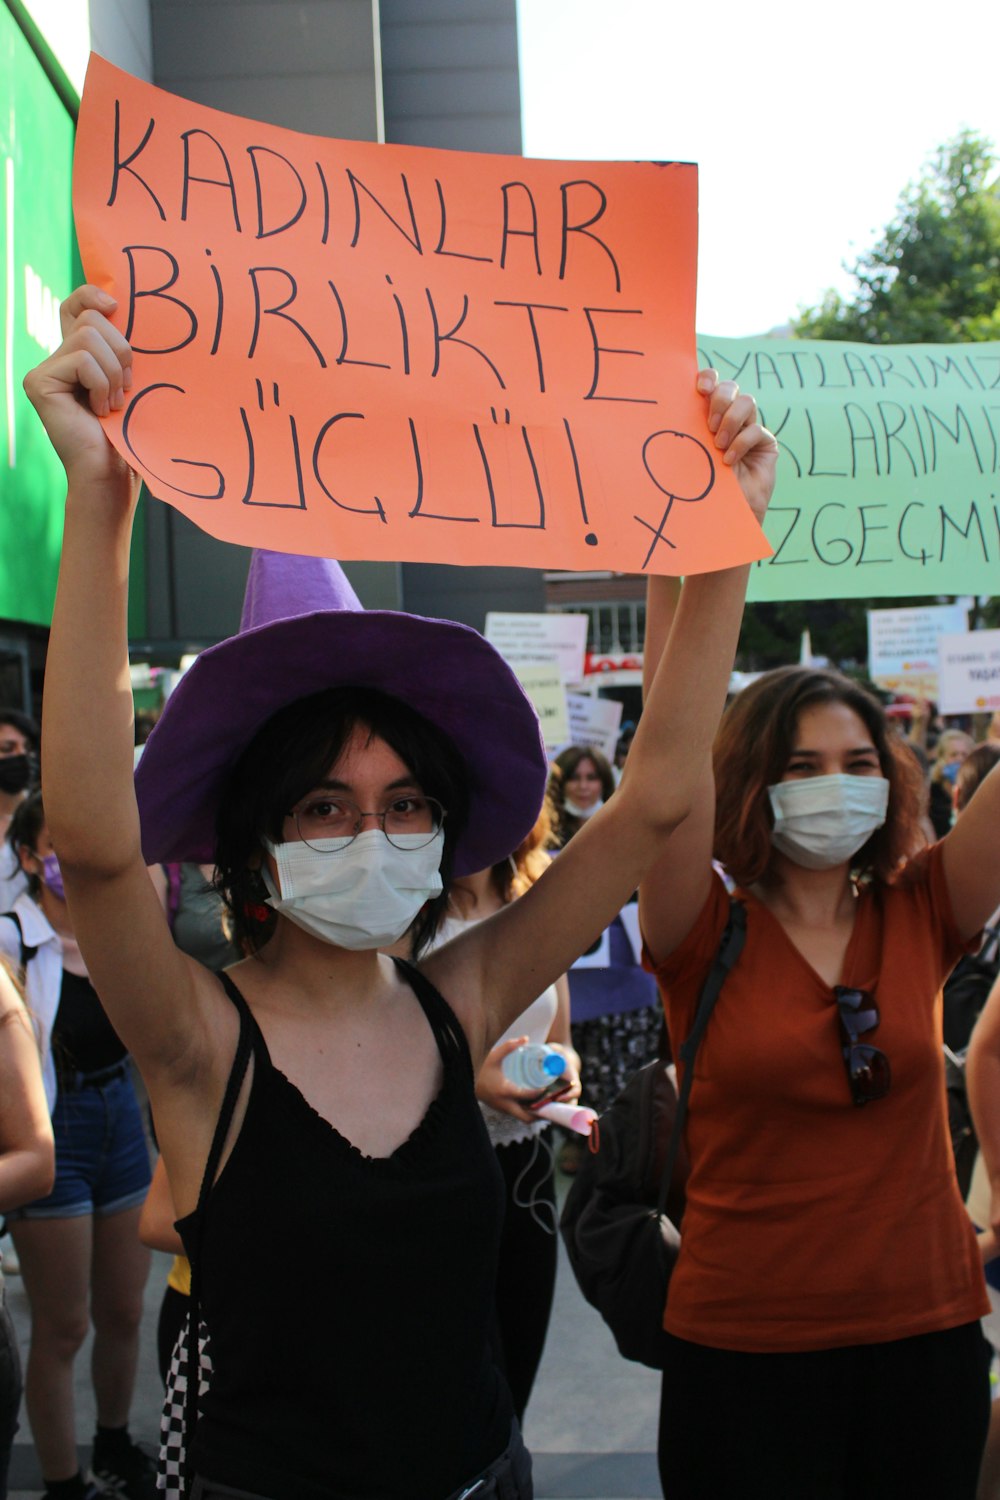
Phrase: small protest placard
(594, 721)
(903, 645)
(371, 351)
(969, 668)
(543, 683)
(538, 638)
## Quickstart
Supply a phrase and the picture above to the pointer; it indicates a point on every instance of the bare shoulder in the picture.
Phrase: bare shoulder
(456, 972)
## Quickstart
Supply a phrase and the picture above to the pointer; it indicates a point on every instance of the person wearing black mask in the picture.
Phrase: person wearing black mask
(18, 772)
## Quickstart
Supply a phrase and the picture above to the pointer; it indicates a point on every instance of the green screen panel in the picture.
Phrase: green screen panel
(37, 254)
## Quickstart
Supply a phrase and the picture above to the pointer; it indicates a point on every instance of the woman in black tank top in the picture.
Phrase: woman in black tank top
(337, 766)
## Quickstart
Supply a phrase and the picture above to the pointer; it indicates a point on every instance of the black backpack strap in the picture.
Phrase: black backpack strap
(246, 1043)
(27, 954)
(729, 950)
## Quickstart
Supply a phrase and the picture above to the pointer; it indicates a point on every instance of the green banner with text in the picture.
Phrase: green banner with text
(889, 475)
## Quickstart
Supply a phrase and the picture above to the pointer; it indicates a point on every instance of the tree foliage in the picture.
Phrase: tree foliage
(934, 276)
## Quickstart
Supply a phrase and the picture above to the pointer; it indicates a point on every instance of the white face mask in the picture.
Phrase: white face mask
(357, 893)
(583, 813)
(821, 822)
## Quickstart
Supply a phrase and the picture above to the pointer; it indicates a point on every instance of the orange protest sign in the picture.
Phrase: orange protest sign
(368, 351)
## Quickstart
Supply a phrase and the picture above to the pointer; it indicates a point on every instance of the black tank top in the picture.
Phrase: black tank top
(83, 1039)
(349, 1299)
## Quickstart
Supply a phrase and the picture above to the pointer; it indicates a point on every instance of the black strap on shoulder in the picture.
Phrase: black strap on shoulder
(244, 1046)
(442, 1019)
(729, 950)
(27, 954)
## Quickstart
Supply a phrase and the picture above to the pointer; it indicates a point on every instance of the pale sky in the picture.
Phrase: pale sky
(806, 123)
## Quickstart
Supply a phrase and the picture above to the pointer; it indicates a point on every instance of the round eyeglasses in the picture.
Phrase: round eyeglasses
(410, 822)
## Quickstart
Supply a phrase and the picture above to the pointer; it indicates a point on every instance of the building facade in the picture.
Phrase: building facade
(438, 73)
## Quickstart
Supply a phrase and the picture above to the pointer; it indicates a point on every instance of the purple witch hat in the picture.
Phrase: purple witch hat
(303, 630)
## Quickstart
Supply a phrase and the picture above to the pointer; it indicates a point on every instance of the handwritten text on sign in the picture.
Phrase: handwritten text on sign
(382, 351)
(889, 471)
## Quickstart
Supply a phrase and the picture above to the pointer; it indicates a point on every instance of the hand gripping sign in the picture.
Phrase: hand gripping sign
(368, 351)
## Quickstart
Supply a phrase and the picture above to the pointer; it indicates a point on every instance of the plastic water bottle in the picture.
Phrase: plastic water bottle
(533, 1066)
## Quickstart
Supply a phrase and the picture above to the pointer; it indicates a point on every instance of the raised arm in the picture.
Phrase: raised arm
(507, 960)
(982, 1078)
(146, 985)
(673, 891)
(971, 854)
(27, 1156)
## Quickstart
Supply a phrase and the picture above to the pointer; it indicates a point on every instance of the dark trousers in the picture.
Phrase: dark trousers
(507, 1478)
(526, 1275)
(904, 1420)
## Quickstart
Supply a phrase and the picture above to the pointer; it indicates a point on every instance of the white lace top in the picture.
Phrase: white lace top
(535, 1023)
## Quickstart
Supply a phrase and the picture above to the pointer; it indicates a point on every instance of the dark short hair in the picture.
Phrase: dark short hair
(27, 822)
(973, 771)
(289, 756)
(752, 750)
(23, 723)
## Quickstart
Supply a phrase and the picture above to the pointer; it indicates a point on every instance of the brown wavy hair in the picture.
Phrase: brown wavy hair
(752, 749)
(563, 768)
(973, 771)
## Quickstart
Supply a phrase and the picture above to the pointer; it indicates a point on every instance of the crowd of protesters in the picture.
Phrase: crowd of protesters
(343, 889)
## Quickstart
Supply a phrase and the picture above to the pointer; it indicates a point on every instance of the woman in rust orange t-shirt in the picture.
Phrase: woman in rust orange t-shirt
(822, 1332)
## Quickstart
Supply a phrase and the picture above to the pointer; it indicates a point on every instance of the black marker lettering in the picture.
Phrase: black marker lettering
(509, 233)
(795, 512)
(855, 366)
(120, 165)
(582, 226)
(296, 214)
(439, 248)
(681, 438)
(413, 238)
(886, 367)
(135, 294)
(859, 437)
(219, 303)
(342, 358)
(278, 311)
(227, 182)
(358, 510)
(599, 349)
(866, 530)
(831, 562)
(531, 308)
(591, 537)
(325, 187)
(815, 473)
(130, 411)
(765, 368)
(963, 531)
(922, 556)
(449, 338)
(892, 433)
(935, 422)
(402, 330)
(776, 429)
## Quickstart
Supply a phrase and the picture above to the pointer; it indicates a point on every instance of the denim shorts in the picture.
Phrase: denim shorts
(102, 1160)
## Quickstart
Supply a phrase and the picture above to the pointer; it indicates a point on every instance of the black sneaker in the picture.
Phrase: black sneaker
(124, 1470)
